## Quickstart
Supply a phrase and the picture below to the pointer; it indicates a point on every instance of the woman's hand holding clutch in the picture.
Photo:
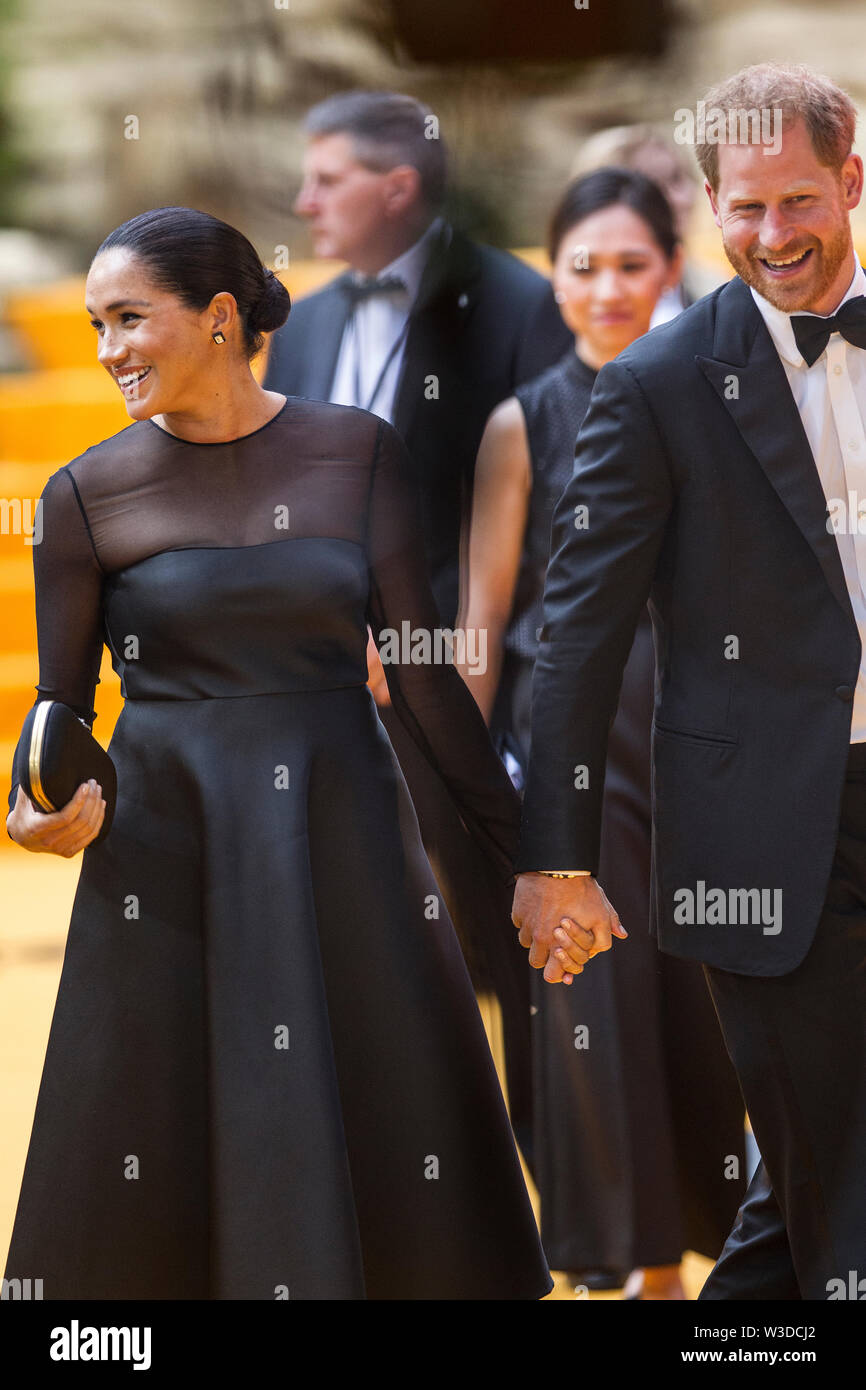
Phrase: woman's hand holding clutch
(63, 832)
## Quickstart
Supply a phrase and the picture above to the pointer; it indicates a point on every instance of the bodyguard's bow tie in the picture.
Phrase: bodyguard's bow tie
(812, 333)
(356, 290)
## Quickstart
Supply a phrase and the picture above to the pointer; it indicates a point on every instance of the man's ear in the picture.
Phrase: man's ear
(717, 217)
(852, 180)
(402, 190)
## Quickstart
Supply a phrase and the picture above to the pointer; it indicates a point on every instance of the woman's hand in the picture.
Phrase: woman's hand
(63, 832)
(563, 922)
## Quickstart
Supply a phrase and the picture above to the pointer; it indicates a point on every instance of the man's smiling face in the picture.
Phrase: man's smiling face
(784, 220)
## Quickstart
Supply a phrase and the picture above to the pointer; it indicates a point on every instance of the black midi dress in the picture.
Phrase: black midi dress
(267, 1075)
(634, 1097)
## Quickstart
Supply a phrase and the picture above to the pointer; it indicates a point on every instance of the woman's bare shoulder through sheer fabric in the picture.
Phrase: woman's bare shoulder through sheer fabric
(143, 491)
(314, 470)
(304, 473)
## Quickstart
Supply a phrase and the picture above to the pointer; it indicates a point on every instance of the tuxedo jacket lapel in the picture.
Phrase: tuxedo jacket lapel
(323, 346)
(448, 287)
(453, 267)
(750, 380)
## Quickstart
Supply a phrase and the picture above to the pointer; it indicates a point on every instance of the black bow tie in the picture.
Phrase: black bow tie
(812, 333)
(356, 290)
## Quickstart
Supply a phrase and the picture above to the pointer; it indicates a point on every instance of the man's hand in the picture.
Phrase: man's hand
(564, 922)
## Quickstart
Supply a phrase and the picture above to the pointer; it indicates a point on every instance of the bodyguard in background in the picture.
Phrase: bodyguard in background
(429, 330)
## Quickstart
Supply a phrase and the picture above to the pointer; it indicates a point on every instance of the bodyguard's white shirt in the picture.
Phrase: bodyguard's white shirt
(831, 398)
(375, 326)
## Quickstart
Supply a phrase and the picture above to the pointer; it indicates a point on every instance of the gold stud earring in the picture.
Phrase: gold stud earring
(218, 338)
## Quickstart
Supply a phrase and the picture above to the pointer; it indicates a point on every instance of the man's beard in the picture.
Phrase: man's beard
(824, 264)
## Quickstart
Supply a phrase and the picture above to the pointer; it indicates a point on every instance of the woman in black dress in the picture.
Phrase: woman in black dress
(631, 1077)
(267, 1076)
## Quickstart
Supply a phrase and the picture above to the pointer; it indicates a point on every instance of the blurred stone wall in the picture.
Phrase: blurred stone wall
(218, 87)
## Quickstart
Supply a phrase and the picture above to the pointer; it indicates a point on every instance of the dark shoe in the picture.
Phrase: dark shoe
(599, 1280)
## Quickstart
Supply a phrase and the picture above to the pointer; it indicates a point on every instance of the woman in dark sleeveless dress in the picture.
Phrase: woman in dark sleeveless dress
(267, 1076)
(631, 1077)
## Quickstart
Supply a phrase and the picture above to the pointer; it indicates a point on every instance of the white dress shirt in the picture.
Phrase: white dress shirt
(668, 305)
(372, 330)
(831, 398)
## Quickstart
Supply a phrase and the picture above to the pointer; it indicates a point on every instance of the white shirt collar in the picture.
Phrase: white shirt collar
(779, 323)
(410, 264)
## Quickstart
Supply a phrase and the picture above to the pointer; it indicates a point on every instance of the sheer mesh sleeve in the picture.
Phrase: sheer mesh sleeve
(346, 474)
(430, 697)
(68, 583)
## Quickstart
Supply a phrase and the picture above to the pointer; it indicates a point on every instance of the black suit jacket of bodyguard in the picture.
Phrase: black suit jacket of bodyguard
(482, 323)
(704, 498)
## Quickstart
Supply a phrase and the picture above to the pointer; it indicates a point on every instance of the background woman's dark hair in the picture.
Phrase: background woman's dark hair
(196, 256)
(610, 187)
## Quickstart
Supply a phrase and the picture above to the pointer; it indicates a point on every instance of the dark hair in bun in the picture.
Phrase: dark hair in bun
(196, 256)
(272, 307)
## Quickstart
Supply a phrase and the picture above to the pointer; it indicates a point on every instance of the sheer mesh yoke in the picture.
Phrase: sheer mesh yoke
(116, 520)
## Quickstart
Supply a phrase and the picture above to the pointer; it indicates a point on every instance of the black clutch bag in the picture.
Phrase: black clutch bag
(58, 753)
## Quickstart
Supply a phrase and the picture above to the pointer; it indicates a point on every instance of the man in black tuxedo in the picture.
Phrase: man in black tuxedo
(431, 331)
(712, 453)
(434, 356)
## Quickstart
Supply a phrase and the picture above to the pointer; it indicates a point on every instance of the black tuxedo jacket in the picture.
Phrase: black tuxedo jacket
(703, 497)
(483, 322)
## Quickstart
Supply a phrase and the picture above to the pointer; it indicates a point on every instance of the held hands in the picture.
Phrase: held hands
(564, 922)
(63, 832)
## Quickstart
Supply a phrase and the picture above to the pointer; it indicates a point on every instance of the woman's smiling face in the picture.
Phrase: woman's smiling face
(608, 275)
(159, 351)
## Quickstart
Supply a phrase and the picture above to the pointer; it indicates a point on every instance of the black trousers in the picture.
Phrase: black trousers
(651, 1099)
(798, 1044)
